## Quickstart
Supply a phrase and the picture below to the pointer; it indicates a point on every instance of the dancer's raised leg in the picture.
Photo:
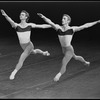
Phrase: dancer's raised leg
(80, 58)
(45, 53)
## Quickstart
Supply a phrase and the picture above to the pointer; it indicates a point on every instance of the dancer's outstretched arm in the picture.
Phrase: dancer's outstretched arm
(8, 18)
(87, 25)
(55, 26)
(40, 26)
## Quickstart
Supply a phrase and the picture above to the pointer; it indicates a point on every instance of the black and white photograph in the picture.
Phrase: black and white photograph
(50, 50)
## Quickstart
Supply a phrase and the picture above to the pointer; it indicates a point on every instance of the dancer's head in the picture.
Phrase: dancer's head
(66, 19)
(24, 15)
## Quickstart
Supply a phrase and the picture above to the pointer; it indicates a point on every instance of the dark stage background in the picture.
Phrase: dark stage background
(80, 12)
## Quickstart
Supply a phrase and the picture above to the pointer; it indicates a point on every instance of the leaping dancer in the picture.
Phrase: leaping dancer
(24, 32)
(65, 35)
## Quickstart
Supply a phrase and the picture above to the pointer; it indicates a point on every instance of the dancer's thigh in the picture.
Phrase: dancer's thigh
(28, 45)
(68, 49)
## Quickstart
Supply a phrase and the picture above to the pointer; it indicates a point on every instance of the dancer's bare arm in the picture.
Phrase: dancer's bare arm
(87, 25)
(40, 25)
(8, 19)
(55, 26)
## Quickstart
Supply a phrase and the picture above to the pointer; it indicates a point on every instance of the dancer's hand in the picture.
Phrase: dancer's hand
(3, 12)
(41, 15)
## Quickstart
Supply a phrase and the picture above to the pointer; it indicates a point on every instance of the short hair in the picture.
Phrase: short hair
(27, 14)
(69, 18)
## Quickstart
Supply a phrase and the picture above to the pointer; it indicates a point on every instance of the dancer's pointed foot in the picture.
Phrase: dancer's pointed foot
(57, 77)
(46, 53)
(11, 77)
(87, 63)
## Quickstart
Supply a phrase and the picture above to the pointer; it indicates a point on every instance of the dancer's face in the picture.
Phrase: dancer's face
(65, 20)
(23, 16)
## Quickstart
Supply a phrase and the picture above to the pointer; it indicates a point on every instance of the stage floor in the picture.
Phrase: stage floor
(35, 78)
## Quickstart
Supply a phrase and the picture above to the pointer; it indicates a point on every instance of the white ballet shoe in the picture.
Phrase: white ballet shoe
(46, 53)
(57, 77)
(87, 63)
(11, 77)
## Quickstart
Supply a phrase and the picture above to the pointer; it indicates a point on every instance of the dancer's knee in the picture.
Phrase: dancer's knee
(33, 51)
(80, 58)
(75, 57)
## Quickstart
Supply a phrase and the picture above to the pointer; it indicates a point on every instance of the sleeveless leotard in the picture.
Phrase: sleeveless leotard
(24, 34)
(67, 32)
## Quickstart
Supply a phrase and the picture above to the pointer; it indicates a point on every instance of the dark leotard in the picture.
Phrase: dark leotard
(67, 32)
(19, 29)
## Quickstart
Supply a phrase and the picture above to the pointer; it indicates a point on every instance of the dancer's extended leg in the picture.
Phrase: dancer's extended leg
(23, 56)
(80, 58)
(66, 59)
(35, 51)
(45, 53)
